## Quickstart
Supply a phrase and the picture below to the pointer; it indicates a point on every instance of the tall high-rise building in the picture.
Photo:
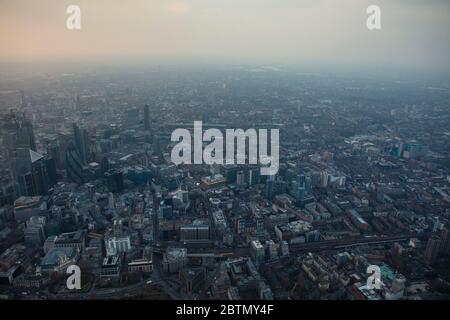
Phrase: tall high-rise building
(39, 174)
(17, 132)
(146, 117)
(274, 187)
(254, 175)
(8, 187)
(34, 179)
(445, 239)
(104, 164)
(74, 165)
(64, 139)
(300, 189)
(81, 138)
(50, 166)
(432, 249)
(53, 151)
(131, 117)
(25, 181)
(23, 100)
(77, 104)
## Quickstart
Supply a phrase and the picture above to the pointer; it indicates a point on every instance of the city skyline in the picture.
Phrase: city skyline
(239, 151)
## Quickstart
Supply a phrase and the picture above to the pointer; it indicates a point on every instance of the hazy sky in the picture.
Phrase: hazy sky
(415, 33)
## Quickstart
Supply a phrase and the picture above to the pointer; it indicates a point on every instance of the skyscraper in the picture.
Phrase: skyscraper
(74, 165)
(274, 187)
(39, 174)
(81, 138)
(23, 101)
(131, 117)
(445, 239)
(104, 164)
(432, 250)
(50, 165)
(77, 104)
(146, 117)
(35, 180)
(25, 181)
(17, 132)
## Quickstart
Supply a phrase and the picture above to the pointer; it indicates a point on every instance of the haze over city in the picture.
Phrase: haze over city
(414, 33)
